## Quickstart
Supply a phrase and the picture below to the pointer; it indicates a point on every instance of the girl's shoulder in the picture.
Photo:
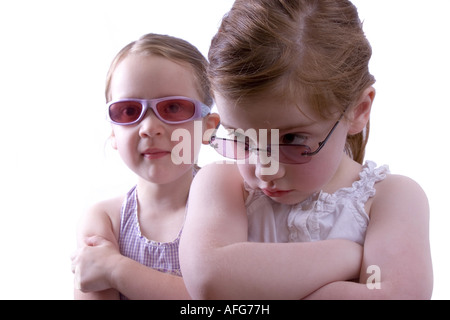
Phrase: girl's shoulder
(386, 186)
(220, 179)
(108, 207)
(398, 193)
(101, 219)
(394, 185)
(223, 172)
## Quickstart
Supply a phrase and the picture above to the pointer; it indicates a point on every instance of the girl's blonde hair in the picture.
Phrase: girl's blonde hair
(174, 49)
(312, 49)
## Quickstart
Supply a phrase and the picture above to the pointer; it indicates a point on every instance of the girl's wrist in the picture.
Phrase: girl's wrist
(114, 270)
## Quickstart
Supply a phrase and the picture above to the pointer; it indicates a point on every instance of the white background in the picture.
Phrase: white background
(55, 157)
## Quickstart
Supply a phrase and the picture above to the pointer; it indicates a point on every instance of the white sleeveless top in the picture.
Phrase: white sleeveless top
(322, 216)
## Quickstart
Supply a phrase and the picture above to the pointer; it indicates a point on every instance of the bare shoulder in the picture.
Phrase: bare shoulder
(221, 182)
(101, 219)
(401, 190)
(218, 175)
(216, 205)
(401, 201)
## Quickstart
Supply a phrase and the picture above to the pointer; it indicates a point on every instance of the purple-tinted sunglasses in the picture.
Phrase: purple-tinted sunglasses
(171, 110)
(240, 148)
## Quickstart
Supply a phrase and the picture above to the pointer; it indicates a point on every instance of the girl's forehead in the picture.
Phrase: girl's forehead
(266, 112)
(150, 76)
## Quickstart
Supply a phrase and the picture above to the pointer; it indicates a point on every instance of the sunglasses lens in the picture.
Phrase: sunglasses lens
(294, 154)
(232, 149)
(176, 110)
(125, 111)
(238, 150)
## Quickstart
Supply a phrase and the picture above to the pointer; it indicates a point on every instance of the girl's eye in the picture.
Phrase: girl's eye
(236, 135)
(173, 108)
(130, 111)
(293, 138)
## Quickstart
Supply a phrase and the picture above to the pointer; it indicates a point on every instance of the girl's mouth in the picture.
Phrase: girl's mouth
(273, 193)
(155, 153)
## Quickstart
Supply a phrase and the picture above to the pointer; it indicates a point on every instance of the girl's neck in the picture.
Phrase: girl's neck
(346, 174)
(162, 208)
(157, 199)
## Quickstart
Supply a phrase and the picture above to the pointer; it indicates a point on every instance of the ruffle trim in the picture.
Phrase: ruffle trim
(361, 190)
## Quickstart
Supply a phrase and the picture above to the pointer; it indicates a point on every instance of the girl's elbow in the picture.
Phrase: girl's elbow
(200, 285)
(422, 290)
(419, 288)
(415, 290)
(197, 277)
(418, 293)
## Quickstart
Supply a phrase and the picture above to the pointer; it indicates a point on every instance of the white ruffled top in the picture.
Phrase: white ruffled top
(340, 215)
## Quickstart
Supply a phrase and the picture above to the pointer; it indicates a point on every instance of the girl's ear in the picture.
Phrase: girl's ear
(361, 113)
(210, 123)
(113, 140)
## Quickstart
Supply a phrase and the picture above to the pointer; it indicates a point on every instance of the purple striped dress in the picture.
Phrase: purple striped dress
(157, 255)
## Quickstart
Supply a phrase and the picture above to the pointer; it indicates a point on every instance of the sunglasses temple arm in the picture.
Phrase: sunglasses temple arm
(322, 144)
(205, 110)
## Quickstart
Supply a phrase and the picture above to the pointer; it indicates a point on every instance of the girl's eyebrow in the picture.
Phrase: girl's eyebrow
(307, 123)
(299, 126)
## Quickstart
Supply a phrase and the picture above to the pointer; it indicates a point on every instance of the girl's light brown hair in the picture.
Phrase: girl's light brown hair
(313, 50)
(174, 49)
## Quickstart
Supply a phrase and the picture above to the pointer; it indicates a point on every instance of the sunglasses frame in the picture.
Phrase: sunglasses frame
(201, 110)
(306, 156)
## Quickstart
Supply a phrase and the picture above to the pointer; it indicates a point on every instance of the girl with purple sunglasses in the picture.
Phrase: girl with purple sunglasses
(128, 245)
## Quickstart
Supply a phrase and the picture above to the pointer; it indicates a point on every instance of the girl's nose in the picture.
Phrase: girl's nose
(269, 171)
(150, 125)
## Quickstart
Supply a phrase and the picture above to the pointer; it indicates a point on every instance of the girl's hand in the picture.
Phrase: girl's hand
(93, 264)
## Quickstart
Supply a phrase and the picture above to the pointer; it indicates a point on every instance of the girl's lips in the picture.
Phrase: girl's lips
(275, 193)
(155, 153)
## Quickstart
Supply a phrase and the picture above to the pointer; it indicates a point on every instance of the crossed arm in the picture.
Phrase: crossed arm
(396, 244)
(217, 261)
(101, 271)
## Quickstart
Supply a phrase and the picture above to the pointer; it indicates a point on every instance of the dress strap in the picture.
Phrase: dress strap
(364, 188)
